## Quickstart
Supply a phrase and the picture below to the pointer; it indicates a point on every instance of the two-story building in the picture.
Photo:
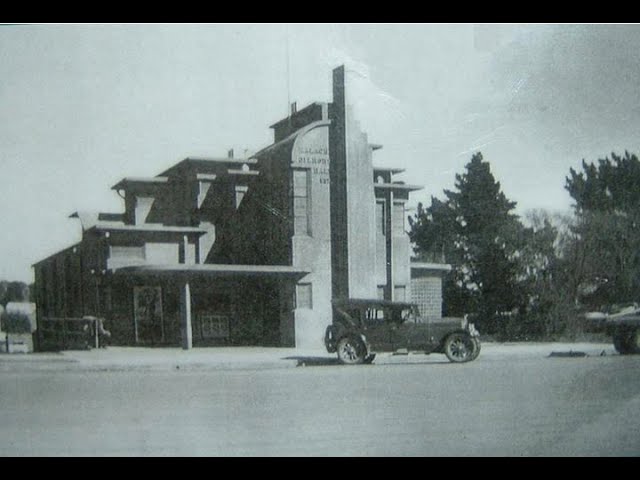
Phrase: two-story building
(252, 251)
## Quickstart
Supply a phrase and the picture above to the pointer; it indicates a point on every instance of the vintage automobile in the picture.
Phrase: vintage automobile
(622, 324)
(362, 327)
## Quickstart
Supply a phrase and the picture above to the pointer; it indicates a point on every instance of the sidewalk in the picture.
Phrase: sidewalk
(139, 358)
(258, 358)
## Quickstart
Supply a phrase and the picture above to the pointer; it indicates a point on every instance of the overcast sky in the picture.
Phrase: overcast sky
(82, 106)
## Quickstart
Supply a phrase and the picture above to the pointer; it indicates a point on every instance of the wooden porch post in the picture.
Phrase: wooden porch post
(185, 316)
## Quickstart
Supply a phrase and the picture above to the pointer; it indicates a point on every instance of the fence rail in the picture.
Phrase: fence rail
(67, 333)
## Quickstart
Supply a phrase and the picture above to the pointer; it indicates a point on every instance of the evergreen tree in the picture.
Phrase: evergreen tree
(480, 236)
(606, 239)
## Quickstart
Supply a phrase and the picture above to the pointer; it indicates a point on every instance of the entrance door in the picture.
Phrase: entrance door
(147, 305)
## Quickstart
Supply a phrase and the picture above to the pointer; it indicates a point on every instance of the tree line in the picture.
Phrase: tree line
(15, 292)
(534, 277)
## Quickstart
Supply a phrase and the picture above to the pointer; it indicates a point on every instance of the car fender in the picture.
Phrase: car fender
(330, 339)
(366, 344)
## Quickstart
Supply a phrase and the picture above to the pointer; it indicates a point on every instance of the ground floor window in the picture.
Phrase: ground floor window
(214, 327)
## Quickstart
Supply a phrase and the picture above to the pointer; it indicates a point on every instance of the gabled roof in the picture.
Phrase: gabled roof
(125, 182)
(59, 252)
(207, 165)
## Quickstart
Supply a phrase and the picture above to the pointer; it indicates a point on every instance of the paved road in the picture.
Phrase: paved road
(520, 406)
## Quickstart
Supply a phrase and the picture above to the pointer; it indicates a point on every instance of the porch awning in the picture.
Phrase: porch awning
(214, 270)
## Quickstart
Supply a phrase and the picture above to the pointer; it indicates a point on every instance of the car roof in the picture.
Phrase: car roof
(371, 302)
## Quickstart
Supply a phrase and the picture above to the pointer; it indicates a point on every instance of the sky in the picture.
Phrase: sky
(84, 105)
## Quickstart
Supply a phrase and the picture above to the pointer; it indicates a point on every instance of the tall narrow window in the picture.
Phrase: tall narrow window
(398, 219)
(400, 293)
(240, 192)
(301, 203)
(304, 296)
(380, 227)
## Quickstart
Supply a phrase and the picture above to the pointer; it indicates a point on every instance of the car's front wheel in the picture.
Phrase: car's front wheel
(351, 351)
(461, 347)
(476, 349)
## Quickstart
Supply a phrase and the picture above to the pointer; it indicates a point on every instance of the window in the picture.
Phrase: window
(400, 293)
(214, 326)
(304, 296)
(121, 251)
(301, 203)
(240, 192)
(380, 218)
(374, 315)
(398, 219)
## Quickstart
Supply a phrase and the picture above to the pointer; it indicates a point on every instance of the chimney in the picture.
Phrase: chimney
(294, 108)
(230, 153)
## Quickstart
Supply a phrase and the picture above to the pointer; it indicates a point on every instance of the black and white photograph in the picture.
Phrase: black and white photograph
(319, 240)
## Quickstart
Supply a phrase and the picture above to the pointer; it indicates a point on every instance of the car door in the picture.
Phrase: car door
(411, 333)
(376, 329)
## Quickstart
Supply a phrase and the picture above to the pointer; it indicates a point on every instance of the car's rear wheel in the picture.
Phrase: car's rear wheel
(351, 351)
(460, 347)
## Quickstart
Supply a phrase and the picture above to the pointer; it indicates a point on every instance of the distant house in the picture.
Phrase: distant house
(247, 251)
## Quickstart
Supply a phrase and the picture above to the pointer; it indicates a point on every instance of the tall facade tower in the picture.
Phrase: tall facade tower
(353, 242)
